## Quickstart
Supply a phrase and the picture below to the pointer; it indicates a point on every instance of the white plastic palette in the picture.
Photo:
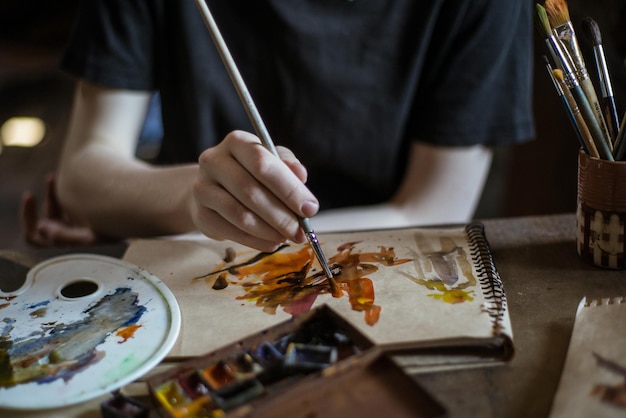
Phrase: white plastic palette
(86, 325)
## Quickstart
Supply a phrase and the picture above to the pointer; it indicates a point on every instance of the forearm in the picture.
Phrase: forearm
(387, 216)
(100, 182)
(122, 198)
(441, 186)
(383, 216)
(238, 190)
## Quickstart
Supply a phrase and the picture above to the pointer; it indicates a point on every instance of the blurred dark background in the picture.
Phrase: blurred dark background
(536, 178)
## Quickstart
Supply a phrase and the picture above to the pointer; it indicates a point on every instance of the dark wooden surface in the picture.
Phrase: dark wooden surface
(544, 281)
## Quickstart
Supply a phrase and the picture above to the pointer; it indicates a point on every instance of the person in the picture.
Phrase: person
(385, 112)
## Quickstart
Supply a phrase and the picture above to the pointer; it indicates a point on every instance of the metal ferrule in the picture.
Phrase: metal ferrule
(317, 249)
(557, 86)
(563, 60)
(603, 72)
(566, 35)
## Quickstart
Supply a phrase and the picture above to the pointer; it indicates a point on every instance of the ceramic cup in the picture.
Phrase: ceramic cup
(601, 211)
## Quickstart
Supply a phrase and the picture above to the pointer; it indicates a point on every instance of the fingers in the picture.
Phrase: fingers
(52, 233)
(293, 163)
(52, 229)
(51, 205)
(247, 194)
(221, 215)
(213, 225)
(28, 216)
(273, 174)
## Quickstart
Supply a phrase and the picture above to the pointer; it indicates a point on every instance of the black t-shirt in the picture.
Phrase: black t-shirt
(345, 84)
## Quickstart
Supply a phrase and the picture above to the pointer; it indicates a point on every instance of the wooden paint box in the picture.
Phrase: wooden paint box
(313, 365)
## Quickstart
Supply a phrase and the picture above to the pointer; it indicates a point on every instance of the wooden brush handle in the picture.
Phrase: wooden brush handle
(598, 113)
(592, 123)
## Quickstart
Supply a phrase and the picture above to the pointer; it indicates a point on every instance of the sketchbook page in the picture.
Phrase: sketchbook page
(593, 382)
(402, 288)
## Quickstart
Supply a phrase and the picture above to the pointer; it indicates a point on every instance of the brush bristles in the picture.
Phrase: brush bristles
(558, 13)
(558, 74)
(591, 30)
(542, 21)
(547, 61)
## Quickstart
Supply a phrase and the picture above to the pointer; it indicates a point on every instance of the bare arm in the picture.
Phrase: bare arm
(441, 185)
(238, 190)
(102, 184)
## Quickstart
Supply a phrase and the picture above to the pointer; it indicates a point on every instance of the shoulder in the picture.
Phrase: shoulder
(113, 42)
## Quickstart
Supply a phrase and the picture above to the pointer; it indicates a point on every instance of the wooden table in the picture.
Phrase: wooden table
(544, 281)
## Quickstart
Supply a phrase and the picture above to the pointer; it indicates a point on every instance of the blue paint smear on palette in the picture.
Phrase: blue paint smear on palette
(38, 305)
(61, 351)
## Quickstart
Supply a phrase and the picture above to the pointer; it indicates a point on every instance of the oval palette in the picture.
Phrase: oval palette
(81, 326)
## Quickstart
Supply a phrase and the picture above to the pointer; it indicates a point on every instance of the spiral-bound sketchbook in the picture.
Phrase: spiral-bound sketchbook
(593, 381)
(430, 296)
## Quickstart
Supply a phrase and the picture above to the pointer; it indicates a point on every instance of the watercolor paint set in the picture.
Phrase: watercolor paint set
(315, 364)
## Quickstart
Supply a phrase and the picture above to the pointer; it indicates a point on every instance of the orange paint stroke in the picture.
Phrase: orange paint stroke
(362, 297)
(285, 279)
(127, 332)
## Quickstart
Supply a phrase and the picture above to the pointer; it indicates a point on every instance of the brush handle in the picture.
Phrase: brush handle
(592, 123)
(576, 125)
(236, 78)
(610, 112)
(620, 147)
(578, 121)
(590, 93)
(576, 117)
(588, 144)
(606, 90)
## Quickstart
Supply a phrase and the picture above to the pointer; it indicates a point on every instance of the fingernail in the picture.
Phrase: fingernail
(310, 208)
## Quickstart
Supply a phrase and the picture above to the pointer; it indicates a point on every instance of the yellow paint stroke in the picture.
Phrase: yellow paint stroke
(449, 263)
(453, 296)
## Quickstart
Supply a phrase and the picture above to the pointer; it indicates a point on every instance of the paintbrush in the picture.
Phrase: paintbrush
(620, 146)
(564, 61)
(261, 130)
(559, 20)
(576, 118)
(569, 107)
(592, 32)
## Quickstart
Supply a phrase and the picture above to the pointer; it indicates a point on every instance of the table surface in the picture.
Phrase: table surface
(544, 281)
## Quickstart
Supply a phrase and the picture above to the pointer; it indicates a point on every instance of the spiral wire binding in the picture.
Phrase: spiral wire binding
(604, 301)
(488, 276)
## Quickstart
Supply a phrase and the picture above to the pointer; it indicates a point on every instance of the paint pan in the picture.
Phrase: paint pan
(193, 385)
(244, 366)
(120, 406)
(310, 378)
(267, 354)
(218, 375)
(310, 357)
(171, 395)
(177, 403)
(238, 393)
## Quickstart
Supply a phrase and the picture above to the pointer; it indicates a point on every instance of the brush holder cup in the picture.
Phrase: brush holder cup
(601, 212)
